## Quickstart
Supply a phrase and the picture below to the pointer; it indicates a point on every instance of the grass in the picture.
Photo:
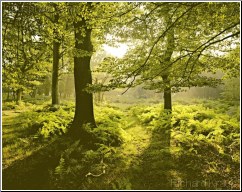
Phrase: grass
(17, 141)
(131, 151)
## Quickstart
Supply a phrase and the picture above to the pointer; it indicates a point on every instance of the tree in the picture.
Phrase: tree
(24, 65)
(82, 75)
(85, 21)
(56, 35)
(174, 43)
(89, 23)
(231, 89)
(56, 57)
(174, 46)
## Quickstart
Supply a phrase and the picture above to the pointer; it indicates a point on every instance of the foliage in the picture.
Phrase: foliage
(171, 45)
(147, 115)
(205, 143)
(9, 105)
(231, 89)
(24, 59)
(128, 150)
(44, 123)
(79, 164)
(209, 136)
(176, 45)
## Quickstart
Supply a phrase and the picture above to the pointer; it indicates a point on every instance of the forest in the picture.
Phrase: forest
(120, 95)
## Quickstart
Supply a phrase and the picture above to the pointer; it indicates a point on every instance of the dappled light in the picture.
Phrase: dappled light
(120, 95)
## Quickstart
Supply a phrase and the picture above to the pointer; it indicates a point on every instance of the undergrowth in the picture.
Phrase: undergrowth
(205, 145)
(81, 167)
(205, 140)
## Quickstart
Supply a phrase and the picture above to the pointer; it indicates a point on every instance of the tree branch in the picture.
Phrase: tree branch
(207, 44)
(137, 71)
(205, 47)
(158, 39)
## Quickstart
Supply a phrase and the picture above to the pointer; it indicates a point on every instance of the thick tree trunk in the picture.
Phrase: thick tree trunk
(166, 129)
(55, 73)
(82, 75)
(55, 69)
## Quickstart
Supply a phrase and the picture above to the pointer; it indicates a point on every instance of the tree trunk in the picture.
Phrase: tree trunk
(82, 75)
(19, 95)
(55, 69)
(14, 95)
(170, 41)
(166, 129)
(167, 95)
(167, 99)
(167, 59)
(8, 95)
(33, 93)
(55, 73)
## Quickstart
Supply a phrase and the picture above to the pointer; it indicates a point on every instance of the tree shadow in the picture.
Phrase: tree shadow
(154, 170)
(164, 166)
(32, 173)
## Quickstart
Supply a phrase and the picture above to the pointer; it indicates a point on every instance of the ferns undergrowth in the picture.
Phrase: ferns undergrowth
(205, 146)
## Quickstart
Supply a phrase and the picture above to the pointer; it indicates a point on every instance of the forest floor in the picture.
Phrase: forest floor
(141, 162)
(26, 164)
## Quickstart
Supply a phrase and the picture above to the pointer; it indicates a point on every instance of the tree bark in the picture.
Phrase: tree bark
(167, 59)
(82, 75)
(166, 129)
(19, 95)
(56, 58)
(167, 96)
(170, 41)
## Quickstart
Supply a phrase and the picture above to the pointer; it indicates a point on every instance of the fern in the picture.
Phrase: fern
(61, 168)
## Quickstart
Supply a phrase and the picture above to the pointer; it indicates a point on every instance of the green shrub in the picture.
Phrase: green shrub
(55, 123)
(110, 136)
(200, 116)
(106, 115)
(147, 114)
(8, 105)
(43, 123)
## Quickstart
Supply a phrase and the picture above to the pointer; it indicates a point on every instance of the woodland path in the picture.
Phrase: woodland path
(151, 165)
(145, 165)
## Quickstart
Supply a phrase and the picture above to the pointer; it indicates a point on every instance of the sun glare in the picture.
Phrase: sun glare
(116, 51)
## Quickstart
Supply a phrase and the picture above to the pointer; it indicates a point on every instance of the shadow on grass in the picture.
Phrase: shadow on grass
(32, 173)
(12, 129)
(154, 171)
(164, 168)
